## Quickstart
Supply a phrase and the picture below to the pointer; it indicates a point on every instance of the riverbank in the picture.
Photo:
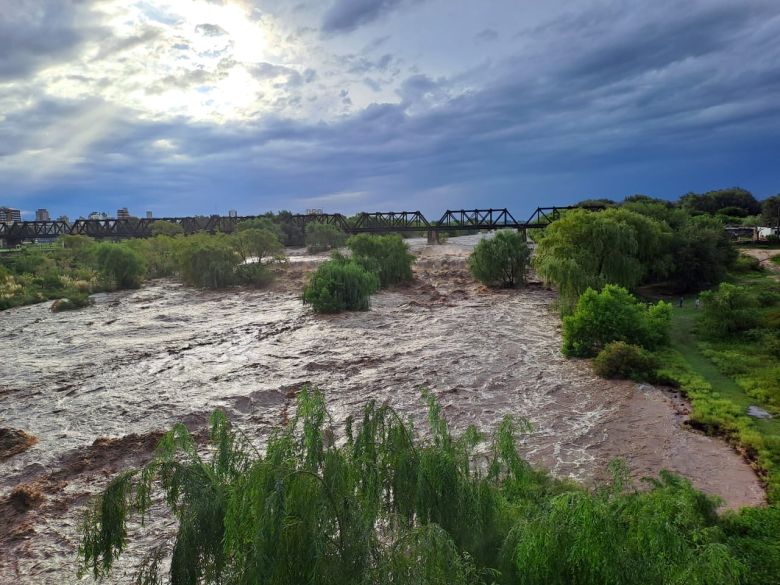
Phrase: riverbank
(96, 387)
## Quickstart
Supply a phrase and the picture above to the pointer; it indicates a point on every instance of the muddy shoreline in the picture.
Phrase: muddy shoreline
(96, 387)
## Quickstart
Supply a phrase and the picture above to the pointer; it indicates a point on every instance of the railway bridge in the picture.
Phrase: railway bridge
(12, 234)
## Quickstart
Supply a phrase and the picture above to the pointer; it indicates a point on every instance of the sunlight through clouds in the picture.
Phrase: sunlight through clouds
(171, 58)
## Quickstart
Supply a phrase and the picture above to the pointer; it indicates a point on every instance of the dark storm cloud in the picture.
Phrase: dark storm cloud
(37, 33)
(347, 15)
(608, 104)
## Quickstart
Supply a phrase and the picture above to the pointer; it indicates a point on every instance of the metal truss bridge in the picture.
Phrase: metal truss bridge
(375, 222)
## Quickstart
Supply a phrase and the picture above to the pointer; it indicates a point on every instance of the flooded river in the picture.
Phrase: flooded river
(97, 386)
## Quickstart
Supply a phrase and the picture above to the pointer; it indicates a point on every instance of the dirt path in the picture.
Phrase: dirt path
(765, 258)
(97, 386)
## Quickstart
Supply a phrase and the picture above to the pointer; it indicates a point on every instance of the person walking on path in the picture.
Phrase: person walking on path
(681, 302)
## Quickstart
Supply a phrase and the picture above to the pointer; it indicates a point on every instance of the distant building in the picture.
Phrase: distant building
(9, 215)
(148, 215)
(314, 212)
(42, 215)
(64, 219)
(122, 213)
(98, 215)
(232, 213)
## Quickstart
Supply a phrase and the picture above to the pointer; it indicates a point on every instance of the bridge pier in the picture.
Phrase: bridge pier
(523, 234)
(433, 237)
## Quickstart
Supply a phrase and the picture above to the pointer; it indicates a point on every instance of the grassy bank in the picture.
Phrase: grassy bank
(723, 378)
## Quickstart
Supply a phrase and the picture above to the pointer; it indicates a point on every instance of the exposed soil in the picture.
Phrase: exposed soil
(764, 258)
(97, 387)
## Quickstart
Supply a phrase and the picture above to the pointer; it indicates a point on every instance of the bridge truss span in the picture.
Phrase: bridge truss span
(373, 222)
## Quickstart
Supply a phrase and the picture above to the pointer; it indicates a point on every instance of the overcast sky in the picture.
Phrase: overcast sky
(200, 106)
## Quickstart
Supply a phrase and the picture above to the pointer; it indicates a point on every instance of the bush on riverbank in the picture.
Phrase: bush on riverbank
(625, 361)
(614, 314)
(384, 506)
(339, 285)
(121, 265)
(207, 261)
(501, 260)
(387, 256)
(727, 311)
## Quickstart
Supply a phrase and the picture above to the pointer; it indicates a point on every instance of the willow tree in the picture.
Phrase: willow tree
(588, 250)
(381, 506)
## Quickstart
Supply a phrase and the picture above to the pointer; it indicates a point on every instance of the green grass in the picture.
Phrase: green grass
(775, 259)
(719, 401)
(685, 341)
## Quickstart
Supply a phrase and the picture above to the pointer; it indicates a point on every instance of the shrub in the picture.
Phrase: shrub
(340, 285)
(165, 228)
(614, 315)
(747, 264)
(501, 260)
(121, 264)
(254, 274)
(387, 255)
(622, 360)
(72, 302)
(728, 310)
(207, 261)
(323, 236)
(256, 243)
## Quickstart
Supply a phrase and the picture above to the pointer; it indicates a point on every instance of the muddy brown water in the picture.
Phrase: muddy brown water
(97, 386)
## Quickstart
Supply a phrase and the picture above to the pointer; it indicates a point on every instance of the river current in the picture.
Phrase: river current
(97, 386)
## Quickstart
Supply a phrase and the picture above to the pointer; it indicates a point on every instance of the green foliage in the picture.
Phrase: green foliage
(501, 260)
(702, 254)
(384, 507)
(254, 274)
(619, 359)
(588, 250)
(727, 311)
(292, 234)
(388, 256)
(323, 236)
(256, 243)
(340, 285)
(719, 415)
(747, 264)
(714, 202)
(159, 253)
(166, 228)
(261, 223)
(614, 315)
(121, 265)
(207, 261)
(770, 211)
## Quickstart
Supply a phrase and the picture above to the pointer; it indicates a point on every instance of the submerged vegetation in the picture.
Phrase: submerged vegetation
(340, 284)
(382, 506)
(82, 266)
(501, 260)
(346, 284)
